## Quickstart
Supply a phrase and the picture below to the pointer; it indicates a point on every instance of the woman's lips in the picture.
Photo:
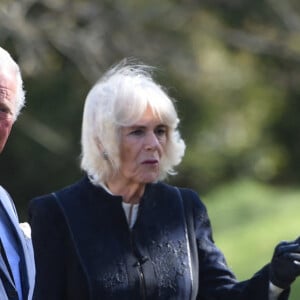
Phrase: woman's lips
(150, 161)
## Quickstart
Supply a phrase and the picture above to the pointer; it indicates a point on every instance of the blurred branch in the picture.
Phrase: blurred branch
(43, 134)
(257, 44)
(287, 14)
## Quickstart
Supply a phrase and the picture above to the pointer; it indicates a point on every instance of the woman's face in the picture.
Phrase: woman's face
(141, 148)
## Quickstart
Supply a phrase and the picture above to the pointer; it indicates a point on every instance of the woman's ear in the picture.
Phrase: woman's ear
(101, 149)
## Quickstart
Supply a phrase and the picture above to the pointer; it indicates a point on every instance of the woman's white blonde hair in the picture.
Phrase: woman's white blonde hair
(119, 98)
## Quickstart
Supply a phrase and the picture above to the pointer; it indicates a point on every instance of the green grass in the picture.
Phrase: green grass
(248, 221)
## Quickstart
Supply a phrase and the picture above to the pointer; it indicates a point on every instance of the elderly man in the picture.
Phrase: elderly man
(16, 255)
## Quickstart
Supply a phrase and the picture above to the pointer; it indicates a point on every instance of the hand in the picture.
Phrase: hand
(285, 264)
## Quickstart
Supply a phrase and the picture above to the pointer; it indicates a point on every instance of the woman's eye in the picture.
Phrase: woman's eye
(137, 132)
(161, 131)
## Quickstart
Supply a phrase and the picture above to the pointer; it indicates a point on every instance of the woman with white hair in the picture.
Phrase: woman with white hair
(120, 232)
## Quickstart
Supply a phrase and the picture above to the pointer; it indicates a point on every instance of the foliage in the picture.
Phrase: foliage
(232, 66)
(249, 219)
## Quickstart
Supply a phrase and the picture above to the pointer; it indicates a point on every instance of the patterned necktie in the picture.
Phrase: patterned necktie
(4, 257)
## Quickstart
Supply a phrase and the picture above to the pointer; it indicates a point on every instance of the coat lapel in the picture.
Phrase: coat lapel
(24, 242)
(4, 271)
(3, 294)
(26, 246)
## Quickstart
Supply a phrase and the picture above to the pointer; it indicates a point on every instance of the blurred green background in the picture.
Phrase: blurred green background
(233, 67)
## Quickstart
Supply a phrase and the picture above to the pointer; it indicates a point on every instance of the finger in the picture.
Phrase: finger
(292, 256)
(296, 268)
(287, 248)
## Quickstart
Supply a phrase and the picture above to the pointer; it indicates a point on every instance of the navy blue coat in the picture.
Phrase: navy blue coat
(85, 250)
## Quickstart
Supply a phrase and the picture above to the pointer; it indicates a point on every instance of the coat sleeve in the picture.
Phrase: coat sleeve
(49, 243)
(216, 280)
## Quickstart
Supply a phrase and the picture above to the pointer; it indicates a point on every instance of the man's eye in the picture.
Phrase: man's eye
(5, 112)
(4, 108)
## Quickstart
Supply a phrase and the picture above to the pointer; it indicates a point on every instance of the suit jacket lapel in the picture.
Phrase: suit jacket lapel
(24, 242)
(26, 246)
(4, 202)
(4, 271)
(3, 294)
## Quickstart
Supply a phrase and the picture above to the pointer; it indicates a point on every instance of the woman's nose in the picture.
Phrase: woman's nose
(151, 141)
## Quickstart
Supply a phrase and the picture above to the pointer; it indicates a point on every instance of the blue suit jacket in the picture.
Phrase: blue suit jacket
(26, 248)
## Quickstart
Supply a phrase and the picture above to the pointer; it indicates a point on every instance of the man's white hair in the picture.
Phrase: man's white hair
(9, 66)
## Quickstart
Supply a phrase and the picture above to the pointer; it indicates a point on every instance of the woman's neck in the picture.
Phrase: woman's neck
(131, 193)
